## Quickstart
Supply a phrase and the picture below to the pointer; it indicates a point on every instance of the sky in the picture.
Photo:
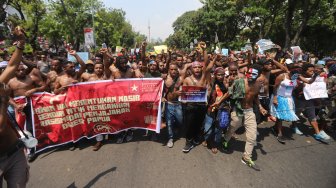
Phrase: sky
(161, 14)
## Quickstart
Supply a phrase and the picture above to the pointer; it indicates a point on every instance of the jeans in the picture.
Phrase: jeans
(210, 128)
(194, 117)
(174, 116)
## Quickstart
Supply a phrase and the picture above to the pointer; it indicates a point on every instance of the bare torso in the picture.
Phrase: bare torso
(21, 86)
(251, 92)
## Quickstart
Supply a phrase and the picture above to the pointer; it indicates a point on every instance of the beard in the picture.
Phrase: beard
(70, 72)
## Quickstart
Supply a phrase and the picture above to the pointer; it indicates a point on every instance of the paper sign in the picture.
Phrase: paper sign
(158, 49)
(89, 37)
(193, 94)
(297, 53)
(264, 45)
(225, 51)
(83, 55)
(316, 90)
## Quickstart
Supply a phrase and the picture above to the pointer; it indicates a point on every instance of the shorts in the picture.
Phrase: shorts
(306, 107)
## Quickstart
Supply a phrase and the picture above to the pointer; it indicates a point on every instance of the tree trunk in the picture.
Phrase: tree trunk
(307, 12)
(288, 22)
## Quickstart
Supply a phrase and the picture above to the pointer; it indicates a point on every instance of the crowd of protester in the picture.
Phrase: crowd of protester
(244, 89)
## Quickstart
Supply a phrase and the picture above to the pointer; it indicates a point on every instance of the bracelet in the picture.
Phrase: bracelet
(19, 45)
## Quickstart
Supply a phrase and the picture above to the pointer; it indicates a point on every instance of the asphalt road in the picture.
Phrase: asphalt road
(301, 162)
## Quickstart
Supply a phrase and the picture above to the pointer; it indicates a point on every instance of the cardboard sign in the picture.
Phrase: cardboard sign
(316, 90)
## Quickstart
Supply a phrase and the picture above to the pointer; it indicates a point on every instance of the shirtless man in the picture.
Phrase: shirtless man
(70, 76)
(25, 84)
(243, 94)
(173, 109)
(195, 112)
(268, 69)
(56, 71)
(120, 71)
(98, 74)
(13, 163)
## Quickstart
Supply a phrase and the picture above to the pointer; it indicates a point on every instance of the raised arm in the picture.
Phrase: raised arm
(16, 58)
(80, 61)
(106, 61)
(143, 53)
(278, 80)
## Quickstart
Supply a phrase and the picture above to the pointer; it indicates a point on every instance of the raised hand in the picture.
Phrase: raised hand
(72, 52)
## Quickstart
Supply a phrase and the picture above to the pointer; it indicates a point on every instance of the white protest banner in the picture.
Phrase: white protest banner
(316, 90)
(88, 36)
(297, 53)
(83, 55)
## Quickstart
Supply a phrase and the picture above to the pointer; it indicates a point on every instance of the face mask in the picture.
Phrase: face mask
(252, 74)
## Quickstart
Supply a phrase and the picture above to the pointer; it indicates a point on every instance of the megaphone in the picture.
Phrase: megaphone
(27, 138)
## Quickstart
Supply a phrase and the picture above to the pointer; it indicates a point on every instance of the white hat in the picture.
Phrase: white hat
(288, 61)
(3, 64)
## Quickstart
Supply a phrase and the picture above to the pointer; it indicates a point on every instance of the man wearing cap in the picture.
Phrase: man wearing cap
(13, 163)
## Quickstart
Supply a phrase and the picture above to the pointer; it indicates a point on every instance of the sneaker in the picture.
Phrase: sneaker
(189, 145)
(225, 145)
(31, 157)
(250, 163)
(321, 137)
(281, 139)
(197, 141)
(297, 131)
(325, 136)
(170, 143)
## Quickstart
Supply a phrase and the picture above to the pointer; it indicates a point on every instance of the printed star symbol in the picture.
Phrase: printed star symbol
(134, 87)
(291, 83)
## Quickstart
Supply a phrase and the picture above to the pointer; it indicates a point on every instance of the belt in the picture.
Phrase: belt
(263, 97)
(16, 147)
(248, 110)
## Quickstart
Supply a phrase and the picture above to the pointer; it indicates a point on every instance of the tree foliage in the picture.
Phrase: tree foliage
(308, 23)
(65, 20)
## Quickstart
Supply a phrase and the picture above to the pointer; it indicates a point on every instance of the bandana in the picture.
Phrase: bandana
(152, 62)
(196, 64)
(252, 73)
(218, 69)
